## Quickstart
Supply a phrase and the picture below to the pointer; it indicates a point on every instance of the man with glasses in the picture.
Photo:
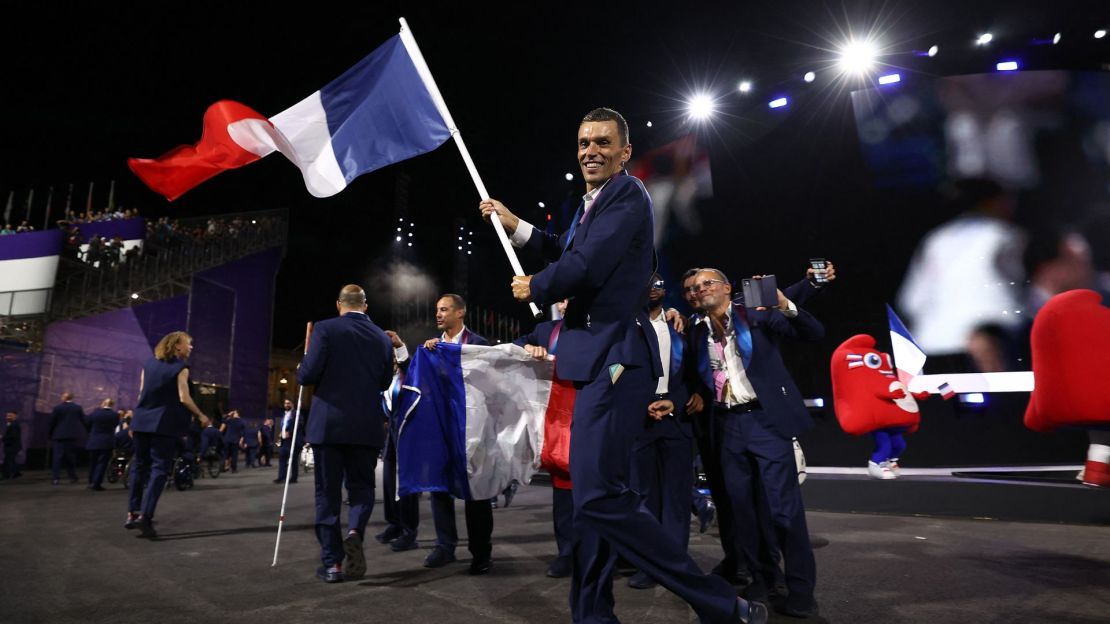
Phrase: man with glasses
(756, 410)
(603, 263)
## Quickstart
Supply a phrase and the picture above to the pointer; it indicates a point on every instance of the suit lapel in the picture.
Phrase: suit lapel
(677, 348)
(743, 334)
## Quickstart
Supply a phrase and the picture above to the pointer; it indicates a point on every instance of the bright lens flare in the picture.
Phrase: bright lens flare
(858, 57)
(701, 107)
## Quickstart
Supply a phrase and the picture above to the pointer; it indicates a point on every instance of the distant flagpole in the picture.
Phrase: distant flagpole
(88, 200)
(8, 210)
(429, 82)
(69, 201)
(112, 197)
(49, 200)
(30, 200)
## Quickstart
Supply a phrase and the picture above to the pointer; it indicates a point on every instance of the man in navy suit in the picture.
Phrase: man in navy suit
(13, 444)
(101, 423)
(540, 343)
(289, 453)
(349, 359)
(450, 312)
(603, 263)
(663, 455)
(756, 410)
(265, 442)
(66, 426)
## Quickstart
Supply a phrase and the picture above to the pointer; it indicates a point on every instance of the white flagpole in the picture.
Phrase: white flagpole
(429, 82)
(292, 457)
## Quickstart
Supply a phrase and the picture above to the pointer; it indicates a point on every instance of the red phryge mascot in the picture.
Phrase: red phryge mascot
(869, 399)
(1071, 365)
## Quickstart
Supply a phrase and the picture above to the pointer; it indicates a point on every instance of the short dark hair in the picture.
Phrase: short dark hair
(456, 300)
(690, 273)
(608, 114)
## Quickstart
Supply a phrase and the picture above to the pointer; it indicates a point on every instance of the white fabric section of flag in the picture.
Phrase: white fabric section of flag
(909, 359)
(1021, 381)
(506, 399)
(301, 134)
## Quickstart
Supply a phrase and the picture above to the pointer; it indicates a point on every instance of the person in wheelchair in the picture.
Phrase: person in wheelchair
(184, 465)
(211, 450)
(123, 448)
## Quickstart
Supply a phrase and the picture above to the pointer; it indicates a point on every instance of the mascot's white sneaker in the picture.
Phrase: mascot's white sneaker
(879, 471)
(894, 467)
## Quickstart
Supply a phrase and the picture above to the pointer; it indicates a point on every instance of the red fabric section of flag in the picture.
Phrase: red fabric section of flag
(555, 456)
(185, 166)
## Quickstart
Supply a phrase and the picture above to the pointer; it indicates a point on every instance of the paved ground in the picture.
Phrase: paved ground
(66, 558)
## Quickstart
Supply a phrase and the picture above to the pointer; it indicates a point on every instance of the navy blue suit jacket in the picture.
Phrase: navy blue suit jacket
(13, 437)
(604, 270)
(67, 422)
(350, 361)
(540, 336)
(783, 408)
(102, 429)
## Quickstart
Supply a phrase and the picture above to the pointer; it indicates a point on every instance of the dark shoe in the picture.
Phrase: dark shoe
(560, 568)
(757, 614)
(403, 543)
(756, 591)
(391, 533)
(705, 517)
(799, 606)
(480, 565)
(356, 559)
(438, 558)
(96, 488)
(641, 580)
(132, 522)
(727, 571)
(330, 574)
(146, 529)
(292, 480)
(510, 492)
(279, 480)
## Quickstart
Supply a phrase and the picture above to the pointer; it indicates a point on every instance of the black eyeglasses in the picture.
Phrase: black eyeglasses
(657, 284)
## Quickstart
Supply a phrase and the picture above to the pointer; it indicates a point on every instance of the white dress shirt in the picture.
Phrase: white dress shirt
(740, 387)
(663, 331)
(524, 229)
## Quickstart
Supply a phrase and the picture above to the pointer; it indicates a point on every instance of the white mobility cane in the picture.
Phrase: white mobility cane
(292, 443)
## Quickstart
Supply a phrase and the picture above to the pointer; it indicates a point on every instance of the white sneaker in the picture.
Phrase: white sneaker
(879, 471)
(894, 467)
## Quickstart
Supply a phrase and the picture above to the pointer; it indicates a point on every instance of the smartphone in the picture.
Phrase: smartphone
(820, 268)
(761, 292)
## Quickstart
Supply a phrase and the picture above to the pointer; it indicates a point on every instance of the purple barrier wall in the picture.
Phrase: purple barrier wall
(31, 245)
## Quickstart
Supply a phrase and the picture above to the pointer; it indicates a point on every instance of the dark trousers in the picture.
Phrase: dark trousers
(152, 464)
(231, 454)
(98, 465)
(336, 463)
(288, 449)
(264, 453)
(663, 473)
(252, 453)
(479, 524)
(10, 467)
(403, 513)
(609, 515)
(562, 515)
(758, 463)
(64, 452)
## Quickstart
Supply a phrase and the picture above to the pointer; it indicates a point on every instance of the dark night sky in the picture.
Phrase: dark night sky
(88, 84)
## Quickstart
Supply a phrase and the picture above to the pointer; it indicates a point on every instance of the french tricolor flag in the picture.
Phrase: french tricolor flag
(909, 359)
(379, 112)
(470, 419)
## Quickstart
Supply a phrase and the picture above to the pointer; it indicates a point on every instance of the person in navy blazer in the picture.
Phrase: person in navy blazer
(234, 431)
(67, 425)
(102, 423)
(541, 342)
(289, 450)
(13, 444)
(161, 418)
(663, 454)
(349, 360)
(450, 313)
(756, 411)
(603, 263)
